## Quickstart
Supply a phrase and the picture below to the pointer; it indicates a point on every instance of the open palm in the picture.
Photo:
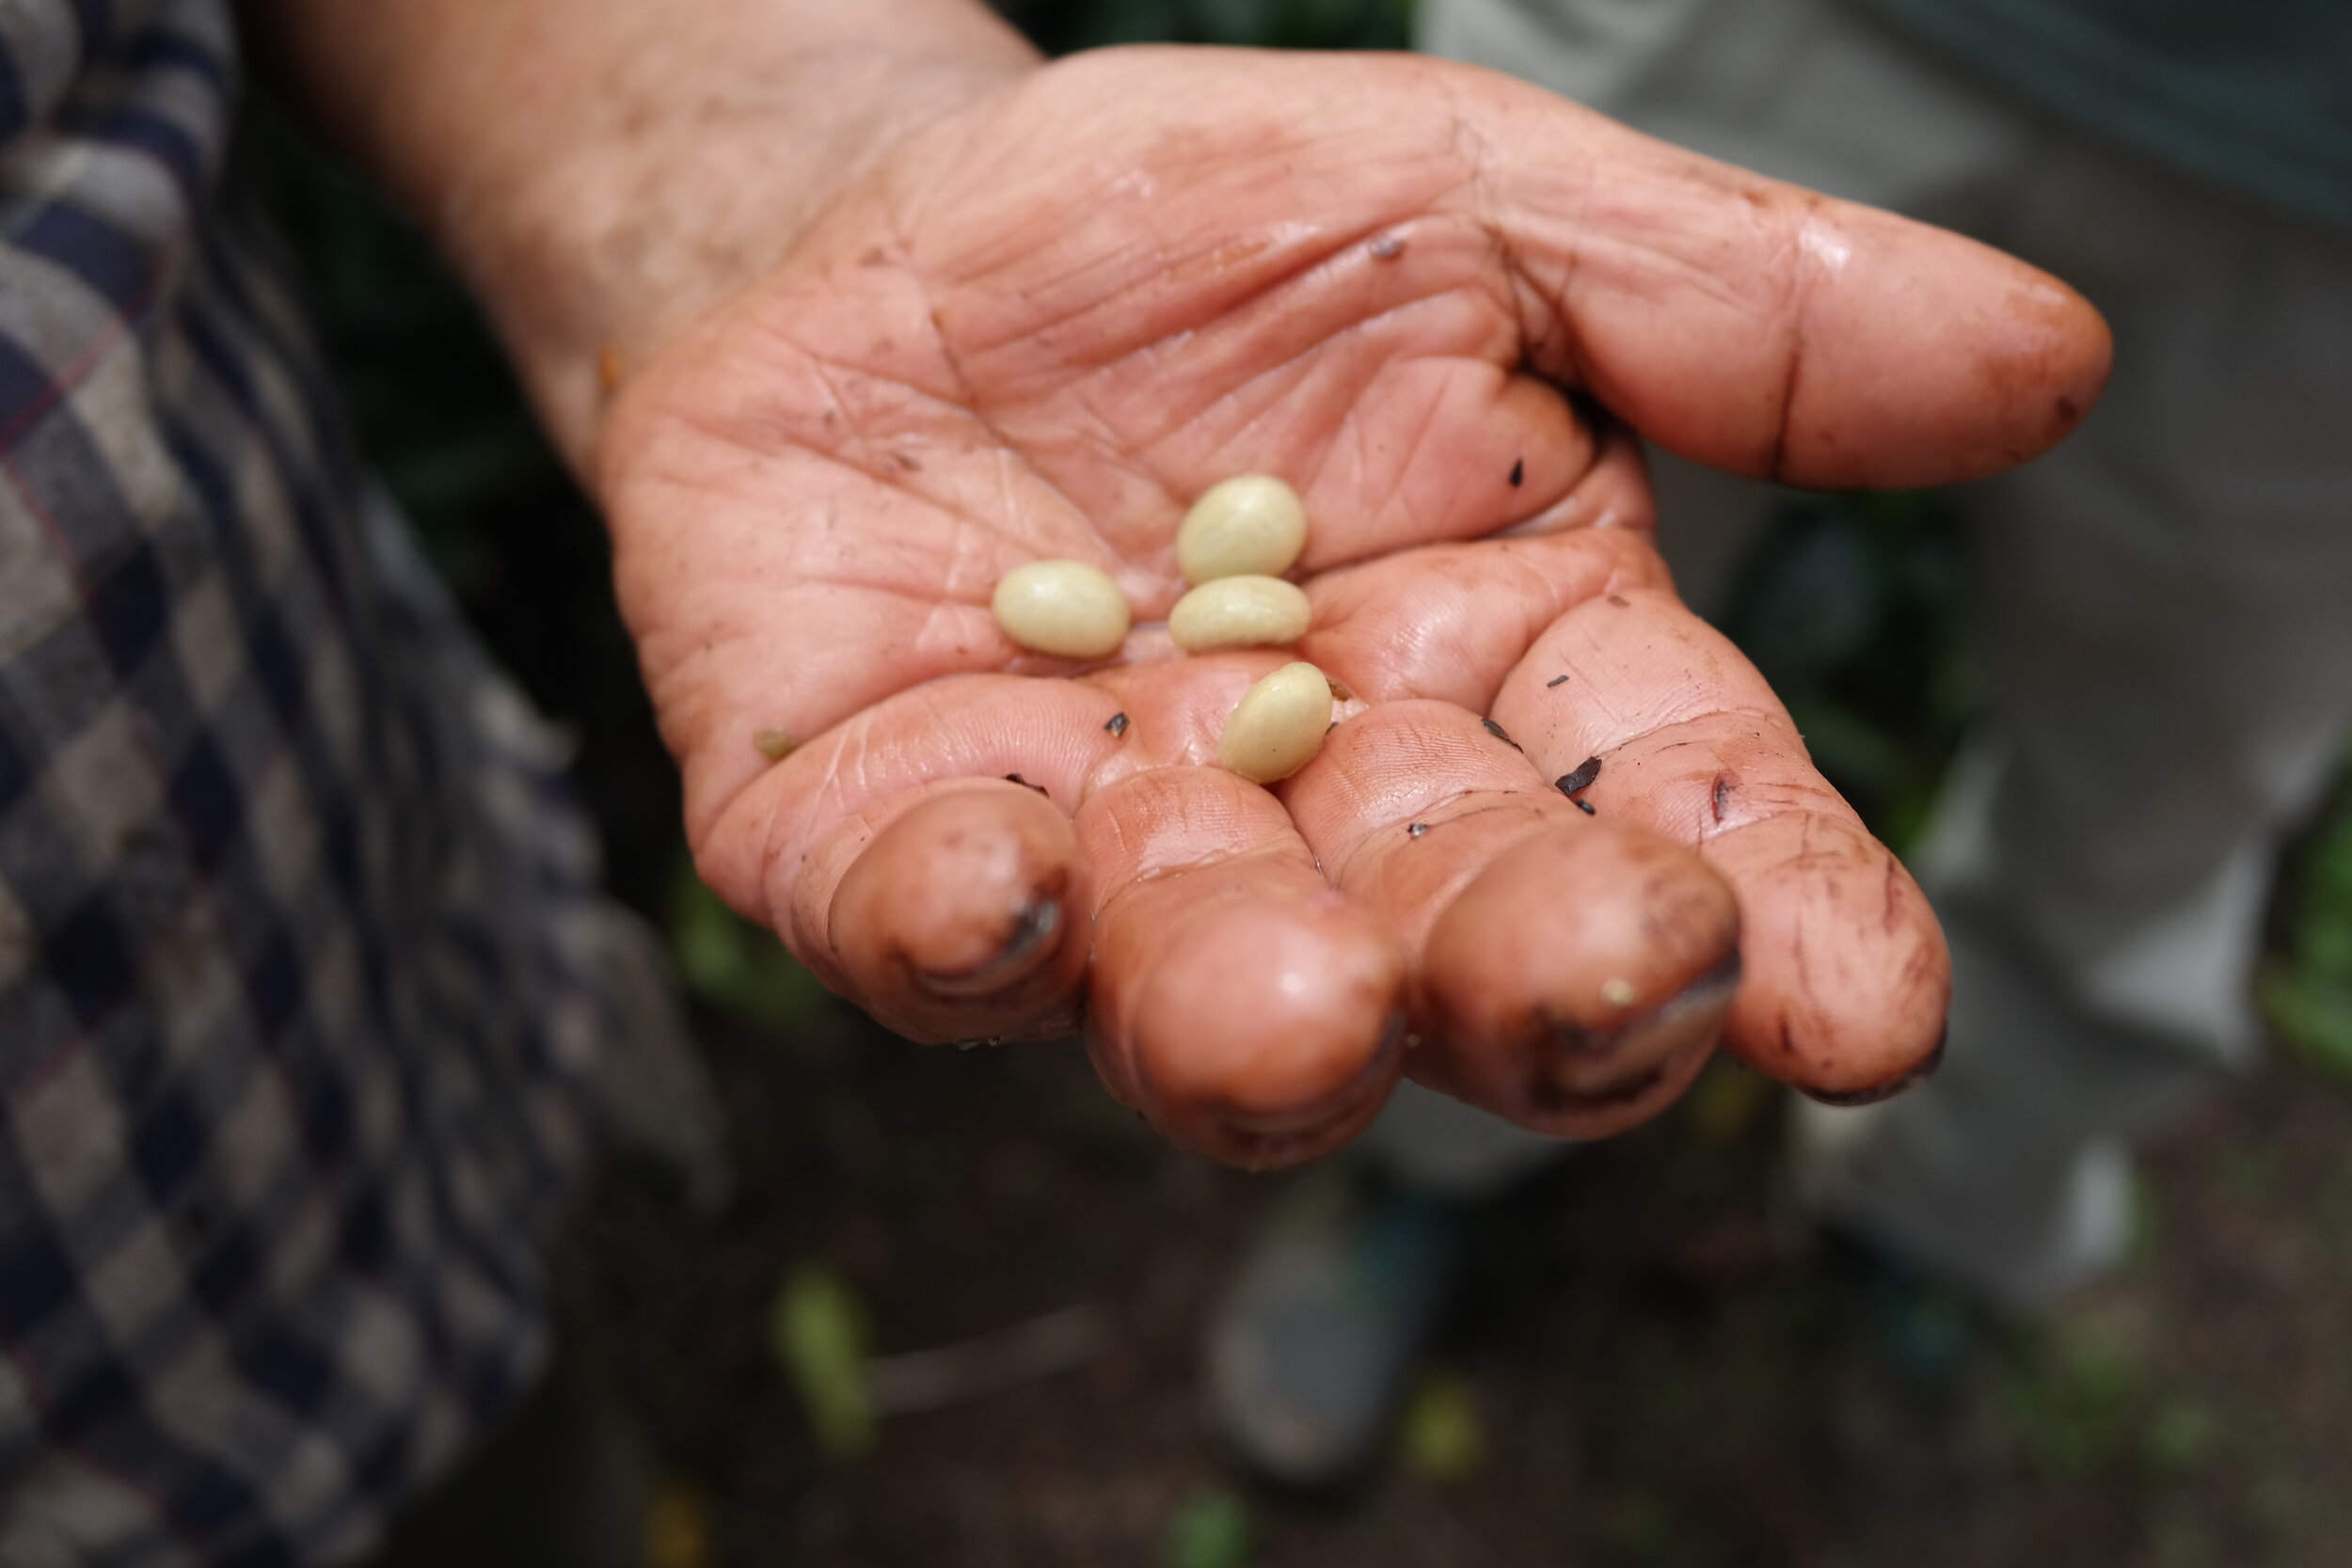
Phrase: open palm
(1432, 300)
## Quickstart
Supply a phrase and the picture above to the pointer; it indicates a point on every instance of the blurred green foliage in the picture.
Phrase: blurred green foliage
(2305, 984)
(2078, 1403)
(732, 965)
(1208, 1530)
(1442, 1435)
(2075, 1403)
(1855, 607)
(816, 1333)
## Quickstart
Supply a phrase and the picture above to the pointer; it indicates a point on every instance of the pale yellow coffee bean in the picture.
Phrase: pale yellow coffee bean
(1279, 726)
(1064, 607)
(1239, 612)
(1251, 526)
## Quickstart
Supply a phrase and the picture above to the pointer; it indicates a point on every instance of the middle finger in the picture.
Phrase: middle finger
(1568, 972)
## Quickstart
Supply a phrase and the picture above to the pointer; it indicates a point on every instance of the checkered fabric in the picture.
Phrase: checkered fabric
(298, 979)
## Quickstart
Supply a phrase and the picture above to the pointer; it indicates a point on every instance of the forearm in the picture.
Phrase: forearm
(603, 171)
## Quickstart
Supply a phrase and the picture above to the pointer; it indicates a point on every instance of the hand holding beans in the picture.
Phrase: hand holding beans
(1044, 329)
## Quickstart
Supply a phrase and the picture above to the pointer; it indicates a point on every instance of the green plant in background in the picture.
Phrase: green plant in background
(2305, 984)
(816, 1333)
(1209, 1529)
(2074, 1403)
(1855, 607)
(2077, 1401)
(2182, 1435)
(732, 965)
(1442, 1435)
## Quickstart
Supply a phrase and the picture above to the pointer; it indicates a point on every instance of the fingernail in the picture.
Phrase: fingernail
(1849, 1098)
(1603, 1111)
(1582, 1062)
(1274, 1137)
(1027, 947)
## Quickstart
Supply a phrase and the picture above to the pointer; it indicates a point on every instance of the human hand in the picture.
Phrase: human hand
(1045, 324)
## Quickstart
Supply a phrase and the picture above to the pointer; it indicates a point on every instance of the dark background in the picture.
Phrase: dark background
(1655, 1364)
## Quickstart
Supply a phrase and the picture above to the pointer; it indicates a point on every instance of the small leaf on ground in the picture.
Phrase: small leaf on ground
(1442, 1436)
(1209, 1529)
(817, 1332)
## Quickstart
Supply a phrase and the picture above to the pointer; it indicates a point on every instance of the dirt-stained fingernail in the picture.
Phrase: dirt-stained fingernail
(1267, 1139)
(1028, 944)
(1852, 1099)
(1585, 1062)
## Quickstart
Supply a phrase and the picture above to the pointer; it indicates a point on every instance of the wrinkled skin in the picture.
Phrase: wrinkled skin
(1042, 328)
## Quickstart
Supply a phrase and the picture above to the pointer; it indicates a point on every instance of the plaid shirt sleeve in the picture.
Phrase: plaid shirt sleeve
(298, 987)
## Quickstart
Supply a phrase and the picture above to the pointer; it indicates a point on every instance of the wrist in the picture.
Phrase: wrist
(593, 253)
(604, 171)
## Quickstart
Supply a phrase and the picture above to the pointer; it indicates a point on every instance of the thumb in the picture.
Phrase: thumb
(1764, 329)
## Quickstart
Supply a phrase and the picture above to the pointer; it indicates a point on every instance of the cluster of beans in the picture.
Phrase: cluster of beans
(1233, 546)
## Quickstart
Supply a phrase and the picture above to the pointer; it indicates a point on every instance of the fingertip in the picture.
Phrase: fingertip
(2081, 354)
(1271, 1031)
(1849, 978)
(2005, 365)
(1592, 1016)
(966, 917)
(2044, 353)
(1772, 331)
(2009, 362)
(1855, 1099)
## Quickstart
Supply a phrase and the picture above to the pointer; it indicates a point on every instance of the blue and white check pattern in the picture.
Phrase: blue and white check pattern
(298, 987)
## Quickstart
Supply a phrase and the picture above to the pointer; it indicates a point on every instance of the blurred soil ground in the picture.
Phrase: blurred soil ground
(1654, 1365)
